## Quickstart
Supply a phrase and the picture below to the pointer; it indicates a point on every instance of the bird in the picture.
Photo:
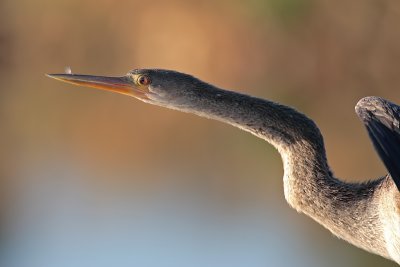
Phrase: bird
(366, 214)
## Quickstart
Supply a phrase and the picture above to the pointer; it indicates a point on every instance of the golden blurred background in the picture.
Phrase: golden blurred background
(91, 178)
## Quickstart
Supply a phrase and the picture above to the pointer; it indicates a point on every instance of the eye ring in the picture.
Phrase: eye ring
(143, 80)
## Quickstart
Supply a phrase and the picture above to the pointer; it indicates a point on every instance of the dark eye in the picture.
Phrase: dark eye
(143, 80)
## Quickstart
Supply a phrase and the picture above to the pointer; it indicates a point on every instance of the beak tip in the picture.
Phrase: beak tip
(61, 77)
(53, 76)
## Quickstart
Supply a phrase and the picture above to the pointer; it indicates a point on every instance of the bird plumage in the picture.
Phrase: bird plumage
(381, 118)
(365, 214)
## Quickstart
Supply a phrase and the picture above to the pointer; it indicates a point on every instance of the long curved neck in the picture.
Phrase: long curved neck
(343, 208)
(295, 136)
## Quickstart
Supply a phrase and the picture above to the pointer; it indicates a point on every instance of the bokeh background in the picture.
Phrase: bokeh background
(90, 178)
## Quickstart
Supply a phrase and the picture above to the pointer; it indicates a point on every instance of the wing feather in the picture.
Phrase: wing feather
(381, 118)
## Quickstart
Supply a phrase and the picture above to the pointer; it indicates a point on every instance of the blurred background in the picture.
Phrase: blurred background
(90, 178)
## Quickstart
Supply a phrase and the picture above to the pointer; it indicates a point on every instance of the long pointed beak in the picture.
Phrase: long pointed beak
(122, 85)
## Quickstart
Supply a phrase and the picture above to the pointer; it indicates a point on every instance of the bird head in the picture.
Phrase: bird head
(155, 86)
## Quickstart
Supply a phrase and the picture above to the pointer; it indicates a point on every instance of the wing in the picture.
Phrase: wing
(381, 118)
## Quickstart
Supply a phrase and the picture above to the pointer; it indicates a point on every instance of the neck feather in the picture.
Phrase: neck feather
(309, 186)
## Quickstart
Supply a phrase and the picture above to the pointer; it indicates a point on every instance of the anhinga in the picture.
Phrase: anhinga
(365, 214)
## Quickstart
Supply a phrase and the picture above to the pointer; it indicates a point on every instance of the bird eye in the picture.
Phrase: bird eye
(143, 80)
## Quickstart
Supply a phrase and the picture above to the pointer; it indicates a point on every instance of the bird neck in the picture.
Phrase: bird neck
(343, 208)
(295, 136)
